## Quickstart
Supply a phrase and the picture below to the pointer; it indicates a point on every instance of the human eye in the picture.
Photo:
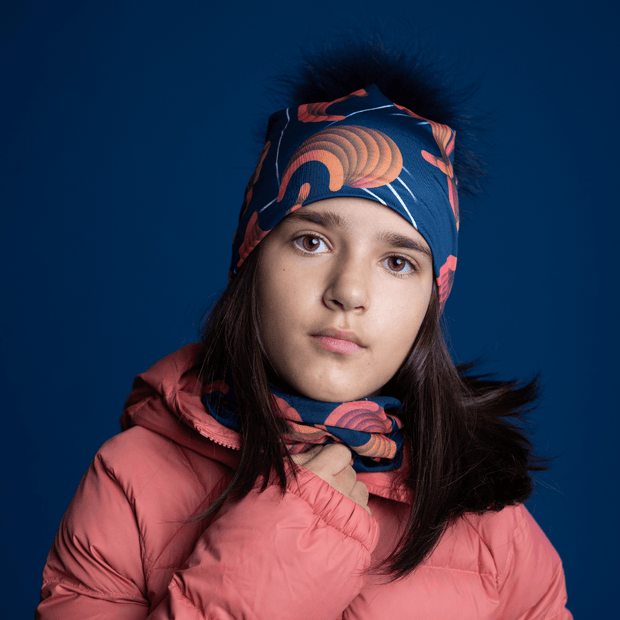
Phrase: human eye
(311, 244)
(399, 265)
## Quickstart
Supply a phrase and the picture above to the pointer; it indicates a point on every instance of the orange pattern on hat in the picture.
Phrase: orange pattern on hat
(253, 236)
(444, 136)
(354, 156)
(445, 280)
(315, 112)
(253, 179)
(304, 192)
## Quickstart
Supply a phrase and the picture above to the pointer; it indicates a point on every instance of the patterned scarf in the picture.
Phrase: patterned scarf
(364, 426)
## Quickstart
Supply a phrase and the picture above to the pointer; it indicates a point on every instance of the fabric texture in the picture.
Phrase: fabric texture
(373, 435)
(128, 546)
(361, 146)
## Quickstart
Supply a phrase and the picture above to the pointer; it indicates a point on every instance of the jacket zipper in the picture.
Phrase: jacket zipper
(207, 435)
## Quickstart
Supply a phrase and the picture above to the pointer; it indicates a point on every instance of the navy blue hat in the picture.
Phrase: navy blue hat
(365, 146)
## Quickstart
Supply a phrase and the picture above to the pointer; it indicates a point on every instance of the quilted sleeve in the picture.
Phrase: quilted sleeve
(94, 568)
(531, 584)
(298, 556)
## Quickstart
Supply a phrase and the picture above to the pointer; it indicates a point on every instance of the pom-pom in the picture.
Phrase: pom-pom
(405, 73)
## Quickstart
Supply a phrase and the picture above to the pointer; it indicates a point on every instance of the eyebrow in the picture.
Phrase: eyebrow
(400, 241)
(330, 218)
(327, 218)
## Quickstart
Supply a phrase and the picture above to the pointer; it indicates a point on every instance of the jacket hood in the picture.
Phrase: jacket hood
(166, 399)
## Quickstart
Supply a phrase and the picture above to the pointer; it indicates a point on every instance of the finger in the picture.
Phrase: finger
(331, 460)
(359, 494)
(303, 457)
(344, 481)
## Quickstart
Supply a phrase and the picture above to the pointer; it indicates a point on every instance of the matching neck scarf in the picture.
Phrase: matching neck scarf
(370, 427)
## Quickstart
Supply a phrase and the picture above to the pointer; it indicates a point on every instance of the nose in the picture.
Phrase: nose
(347, 288)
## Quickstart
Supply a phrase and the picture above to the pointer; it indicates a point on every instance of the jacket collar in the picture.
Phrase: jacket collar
(166, 399)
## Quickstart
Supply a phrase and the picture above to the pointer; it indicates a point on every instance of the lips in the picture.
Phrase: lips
(339, 341)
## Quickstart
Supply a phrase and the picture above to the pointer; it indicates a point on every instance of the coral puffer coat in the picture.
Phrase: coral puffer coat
(128, 548)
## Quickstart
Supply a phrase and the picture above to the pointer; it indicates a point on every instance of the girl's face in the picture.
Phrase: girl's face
(344, 285)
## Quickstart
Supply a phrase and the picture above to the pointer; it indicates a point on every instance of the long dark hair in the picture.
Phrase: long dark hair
(467, 455)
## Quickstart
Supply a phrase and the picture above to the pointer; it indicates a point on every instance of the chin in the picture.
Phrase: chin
(336, 393)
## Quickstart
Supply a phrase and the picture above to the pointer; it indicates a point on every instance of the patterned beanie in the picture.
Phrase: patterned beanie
(360, 146)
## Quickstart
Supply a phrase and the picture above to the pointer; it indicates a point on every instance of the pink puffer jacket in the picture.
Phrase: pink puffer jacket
(128, 548)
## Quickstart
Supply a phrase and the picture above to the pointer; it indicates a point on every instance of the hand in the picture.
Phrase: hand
(332, 463)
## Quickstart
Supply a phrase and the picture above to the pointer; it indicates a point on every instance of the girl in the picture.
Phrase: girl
(318, 455)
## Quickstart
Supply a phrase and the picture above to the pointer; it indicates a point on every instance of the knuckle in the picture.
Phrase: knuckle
(348, 478)
(339, 451)
(360, 493)
(363, 490)
(303, 457)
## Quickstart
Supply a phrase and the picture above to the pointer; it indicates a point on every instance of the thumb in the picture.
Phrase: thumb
(303, 457)
(329, 460)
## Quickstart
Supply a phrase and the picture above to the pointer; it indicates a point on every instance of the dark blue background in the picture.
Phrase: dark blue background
(126, 133)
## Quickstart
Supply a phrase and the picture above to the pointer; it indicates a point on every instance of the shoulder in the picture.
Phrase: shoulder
(499, 546)
(527, 570)
(154, 470)
(515, 542)
(131, 520)
(499, 531)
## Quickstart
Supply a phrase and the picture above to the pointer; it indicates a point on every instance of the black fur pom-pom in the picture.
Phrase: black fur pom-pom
(407, 75)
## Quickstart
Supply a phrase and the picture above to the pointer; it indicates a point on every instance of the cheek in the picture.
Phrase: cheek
(279, 297)
(403, 317)
(283, 302)
(400, 342)
(272, 309)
